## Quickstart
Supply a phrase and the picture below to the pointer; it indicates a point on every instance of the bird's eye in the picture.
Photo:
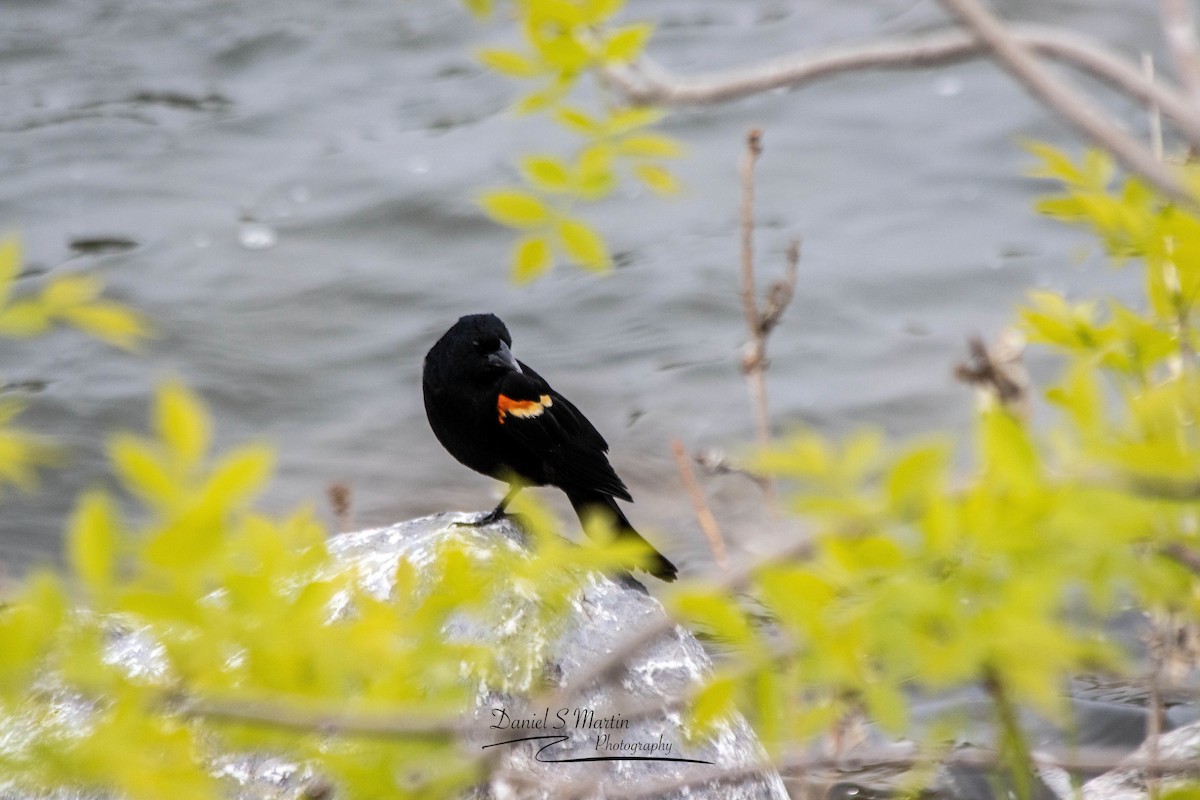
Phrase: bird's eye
(483, 345)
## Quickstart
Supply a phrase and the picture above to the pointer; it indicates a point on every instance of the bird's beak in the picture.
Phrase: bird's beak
(504, 358)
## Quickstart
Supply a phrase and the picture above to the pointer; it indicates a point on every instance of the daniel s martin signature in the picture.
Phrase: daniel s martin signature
(604, 733)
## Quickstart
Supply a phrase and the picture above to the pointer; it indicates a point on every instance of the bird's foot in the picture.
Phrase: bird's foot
(495, 515)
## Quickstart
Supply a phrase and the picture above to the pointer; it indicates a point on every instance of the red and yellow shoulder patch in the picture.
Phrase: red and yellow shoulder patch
(522, 408)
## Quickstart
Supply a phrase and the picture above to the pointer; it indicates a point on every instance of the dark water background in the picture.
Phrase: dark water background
(298, 178)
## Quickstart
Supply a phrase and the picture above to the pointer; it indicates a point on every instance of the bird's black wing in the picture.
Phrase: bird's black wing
(550, 426)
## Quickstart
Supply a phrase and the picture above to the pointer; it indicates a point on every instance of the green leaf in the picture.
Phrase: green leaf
(584, 245)
(514, 208)
(92, 542)
(531, 259)
(627, 43)
(509, 62)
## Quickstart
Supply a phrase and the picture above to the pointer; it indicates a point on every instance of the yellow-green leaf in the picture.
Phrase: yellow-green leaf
(1055, 163)
(183, 424)
(584, 245)
(658, 179)
(649, 145)
(626, 120)
(544, 98)
(627, 43)
(141, 470)
(23, 318)
(596, 11)
(110, 322)
(579, 121)
(595, 171)
(70, 290)
(92, 541)
(514, 208)
(21, 454)
(239, 475)
(547, 173)
(28, 624)
(480, 8)
(531, 259)
(509, 62)
(713, 703)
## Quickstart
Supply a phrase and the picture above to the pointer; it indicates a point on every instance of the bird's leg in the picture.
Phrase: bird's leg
(498, 512)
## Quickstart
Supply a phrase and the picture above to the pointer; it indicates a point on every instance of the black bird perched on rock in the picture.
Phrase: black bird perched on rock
(499, 417)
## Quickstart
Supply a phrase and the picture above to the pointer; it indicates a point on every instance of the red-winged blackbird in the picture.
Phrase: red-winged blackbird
(499, 417)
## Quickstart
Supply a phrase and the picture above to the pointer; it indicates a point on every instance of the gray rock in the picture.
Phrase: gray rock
(623, 715)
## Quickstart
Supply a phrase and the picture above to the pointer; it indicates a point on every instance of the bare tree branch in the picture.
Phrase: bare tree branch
(1060, 96)
(647, 83)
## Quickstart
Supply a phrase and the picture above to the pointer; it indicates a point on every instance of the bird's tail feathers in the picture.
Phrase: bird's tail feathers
(588, 504)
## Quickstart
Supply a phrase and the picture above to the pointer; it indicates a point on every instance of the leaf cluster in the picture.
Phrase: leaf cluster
(564, 41)
(73, 300)
(921, 578)
(251, 611)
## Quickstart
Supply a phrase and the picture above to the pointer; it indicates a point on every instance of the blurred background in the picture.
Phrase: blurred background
(285, 188)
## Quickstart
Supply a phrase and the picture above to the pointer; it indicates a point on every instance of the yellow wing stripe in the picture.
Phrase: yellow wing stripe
(522, 408)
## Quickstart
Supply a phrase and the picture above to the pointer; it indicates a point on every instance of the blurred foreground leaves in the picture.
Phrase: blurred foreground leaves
(250, 611)
(73, 300)
(922, 577)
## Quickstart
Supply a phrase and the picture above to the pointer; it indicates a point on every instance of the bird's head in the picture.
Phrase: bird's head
(477, 345)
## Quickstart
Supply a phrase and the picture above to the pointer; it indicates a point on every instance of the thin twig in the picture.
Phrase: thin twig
(1153, 113)
(1060, 96)
(1159, 638)
(752, 359)
(280, 714)
(647, 83)
(704, 515)
(340, 502)
(839, 768)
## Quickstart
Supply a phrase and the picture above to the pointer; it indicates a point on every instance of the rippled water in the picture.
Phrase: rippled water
(293, 179)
